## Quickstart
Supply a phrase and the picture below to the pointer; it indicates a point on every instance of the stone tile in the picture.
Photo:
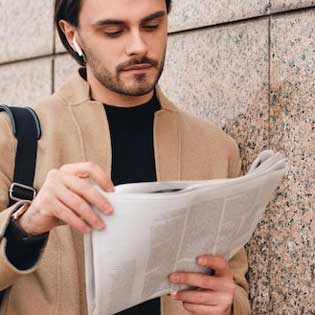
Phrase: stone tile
(284, 5)
(59, 47)
(26, 29)
(24, 83)
(64, 66)
(293, 131)
(188, 14)
(221, 74)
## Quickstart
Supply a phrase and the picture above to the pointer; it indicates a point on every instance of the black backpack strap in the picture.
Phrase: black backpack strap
(26, 129)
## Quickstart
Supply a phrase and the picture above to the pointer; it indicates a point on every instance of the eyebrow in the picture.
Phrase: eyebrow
(121, 22)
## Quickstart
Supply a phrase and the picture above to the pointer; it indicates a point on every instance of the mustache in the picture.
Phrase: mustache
(137, 61)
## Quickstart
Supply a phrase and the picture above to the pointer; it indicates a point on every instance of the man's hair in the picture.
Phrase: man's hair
(69, 10)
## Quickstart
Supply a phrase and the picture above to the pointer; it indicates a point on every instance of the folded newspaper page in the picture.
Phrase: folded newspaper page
(162, 227)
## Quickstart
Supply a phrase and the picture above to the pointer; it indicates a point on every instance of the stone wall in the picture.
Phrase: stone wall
(249, 66)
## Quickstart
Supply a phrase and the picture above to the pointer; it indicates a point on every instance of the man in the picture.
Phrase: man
(109, 123)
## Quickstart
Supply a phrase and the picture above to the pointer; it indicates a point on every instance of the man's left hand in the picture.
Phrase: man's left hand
(215, 293)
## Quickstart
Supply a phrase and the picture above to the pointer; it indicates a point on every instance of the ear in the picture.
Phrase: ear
(70, 31)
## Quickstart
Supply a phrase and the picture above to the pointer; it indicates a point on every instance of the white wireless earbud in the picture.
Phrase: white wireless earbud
(77, 48)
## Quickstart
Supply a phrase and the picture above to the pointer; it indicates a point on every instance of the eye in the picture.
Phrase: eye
(151, 27)
(113, 34)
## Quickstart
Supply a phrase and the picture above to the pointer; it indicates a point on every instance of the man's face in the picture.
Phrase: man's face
(124, 42)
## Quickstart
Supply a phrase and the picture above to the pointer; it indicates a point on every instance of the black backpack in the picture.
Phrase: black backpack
(27, 131)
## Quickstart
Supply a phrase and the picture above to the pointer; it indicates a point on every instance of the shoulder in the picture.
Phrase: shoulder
(204, 136)
(205, 132)
(207, 139)
(50, 112)
(49, 107)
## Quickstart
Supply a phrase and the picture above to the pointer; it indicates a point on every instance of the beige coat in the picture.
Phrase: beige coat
(75, 129)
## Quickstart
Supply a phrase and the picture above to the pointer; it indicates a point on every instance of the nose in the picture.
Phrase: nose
(137, 45)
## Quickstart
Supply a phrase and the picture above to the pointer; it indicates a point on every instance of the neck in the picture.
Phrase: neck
(100, 93)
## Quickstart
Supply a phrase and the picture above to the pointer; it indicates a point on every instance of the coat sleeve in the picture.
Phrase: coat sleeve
(238, 265)
(8, 273)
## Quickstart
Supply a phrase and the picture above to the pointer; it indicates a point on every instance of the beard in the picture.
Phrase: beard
(140, 84)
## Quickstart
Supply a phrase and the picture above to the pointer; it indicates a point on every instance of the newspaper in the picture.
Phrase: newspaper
(161, 227)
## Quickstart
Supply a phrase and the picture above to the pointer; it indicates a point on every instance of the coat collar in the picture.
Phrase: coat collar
(92, 123)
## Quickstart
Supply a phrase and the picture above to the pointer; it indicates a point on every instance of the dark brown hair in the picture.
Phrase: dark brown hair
(69, 10)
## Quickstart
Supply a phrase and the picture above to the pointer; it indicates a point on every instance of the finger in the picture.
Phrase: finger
(81, 208)
(200, 297)
(91, 170)
(89, 192)
(204, 309)
(202, 281)
(219, 264)
(67, 216)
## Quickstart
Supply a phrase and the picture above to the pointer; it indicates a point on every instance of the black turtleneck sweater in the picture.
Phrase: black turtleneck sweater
(131, 131)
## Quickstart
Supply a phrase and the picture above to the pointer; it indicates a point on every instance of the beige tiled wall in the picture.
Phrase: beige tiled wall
(284, 5)
(247, 65)
(187, 14)
(26, 29)
(292, 123)
(25, 82)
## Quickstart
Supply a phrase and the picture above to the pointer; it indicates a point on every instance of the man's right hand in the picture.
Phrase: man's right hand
(67, 197)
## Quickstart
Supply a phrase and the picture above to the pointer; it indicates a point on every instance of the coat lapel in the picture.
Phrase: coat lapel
(93, 126)
(167, 144)
(90, 120)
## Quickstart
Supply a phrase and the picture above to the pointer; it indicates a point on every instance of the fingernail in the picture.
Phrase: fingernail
(174, 295)
(175, 278)
(202, 261)
(87, 229)
(110, 188)
(100, 226)
(107, 209)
